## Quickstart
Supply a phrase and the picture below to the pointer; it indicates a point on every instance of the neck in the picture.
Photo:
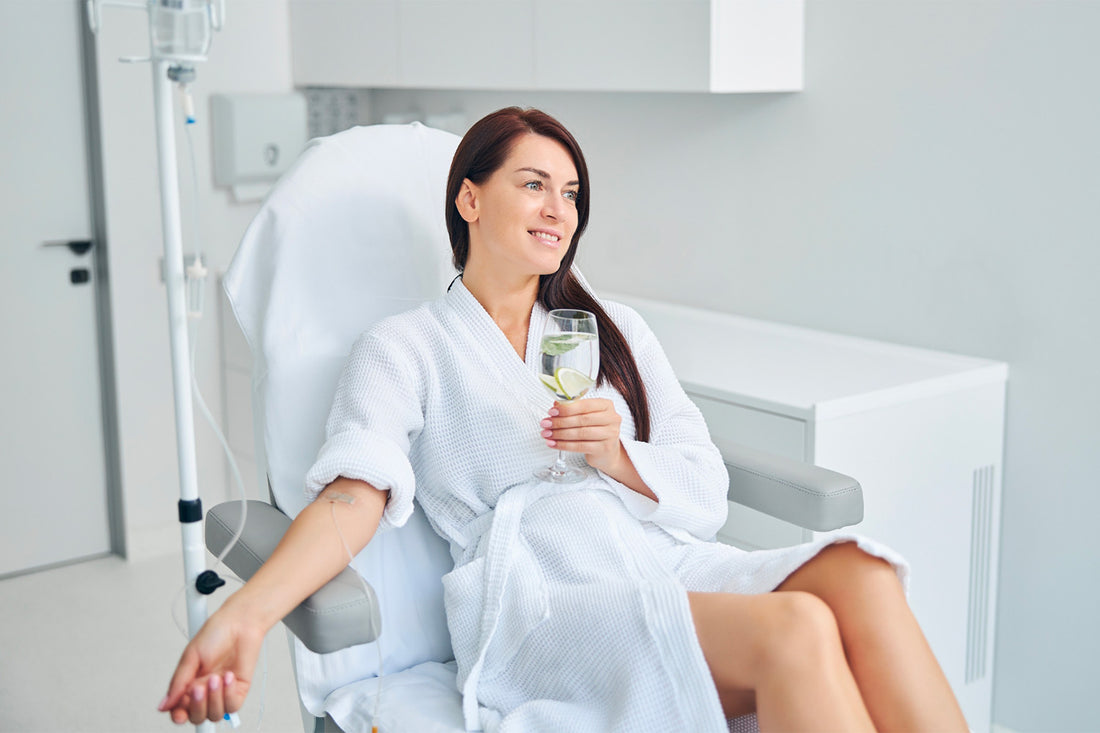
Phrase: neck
(508, 300)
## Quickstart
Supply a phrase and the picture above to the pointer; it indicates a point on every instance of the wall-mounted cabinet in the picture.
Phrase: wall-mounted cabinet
(561, 45)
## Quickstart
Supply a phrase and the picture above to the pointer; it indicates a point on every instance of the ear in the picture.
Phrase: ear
(467, 201)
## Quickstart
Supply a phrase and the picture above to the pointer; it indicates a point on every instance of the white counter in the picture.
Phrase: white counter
(921, 430)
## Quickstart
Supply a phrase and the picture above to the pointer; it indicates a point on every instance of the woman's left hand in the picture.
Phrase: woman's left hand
(589, 426)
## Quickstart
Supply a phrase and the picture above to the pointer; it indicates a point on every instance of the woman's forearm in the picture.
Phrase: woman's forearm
(311, 552)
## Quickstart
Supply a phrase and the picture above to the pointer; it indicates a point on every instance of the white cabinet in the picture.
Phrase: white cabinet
(339, 43)
(463, 44)
(604, 45)
(922, 431)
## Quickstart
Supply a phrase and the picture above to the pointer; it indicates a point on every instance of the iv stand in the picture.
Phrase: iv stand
(194, 558)
(190, 505)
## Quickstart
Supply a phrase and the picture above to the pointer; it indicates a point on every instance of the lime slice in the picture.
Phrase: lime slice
(551, 384)
(573, 383)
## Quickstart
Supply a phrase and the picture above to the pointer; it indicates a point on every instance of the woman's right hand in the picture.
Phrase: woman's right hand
(215, 670)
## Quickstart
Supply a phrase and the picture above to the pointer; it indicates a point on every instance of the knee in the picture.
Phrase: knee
(802, 636)
(854, 560)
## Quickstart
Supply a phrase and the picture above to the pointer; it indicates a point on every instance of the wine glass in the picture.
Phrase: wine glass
(568, 365)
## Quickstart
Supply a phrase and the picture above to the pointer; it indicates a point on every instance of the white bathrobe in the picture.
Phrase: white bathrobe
(567, 606)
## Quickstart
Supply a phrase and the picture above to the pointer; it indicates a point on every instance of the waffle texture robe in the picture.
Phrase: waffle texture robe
(567, 606)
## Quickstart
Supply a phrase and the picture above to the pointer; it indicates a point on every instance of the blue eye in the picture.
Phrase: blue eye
(572, 195)
(534, 185)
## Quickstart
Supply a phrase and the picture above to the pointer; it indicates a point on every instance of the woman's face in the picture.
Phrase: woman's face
(523, 217)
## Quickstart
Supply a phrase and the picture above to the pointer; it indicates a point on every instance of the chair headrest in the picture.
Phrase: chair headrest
(352, 233)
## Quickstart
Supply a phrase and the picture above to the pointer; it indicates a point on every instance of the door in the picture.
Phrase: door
(53, 494)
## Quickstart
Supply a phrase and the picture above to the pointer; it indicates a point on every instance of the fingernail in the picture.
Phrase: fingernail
(546, 423)
(215, 683)
(199, 693)
(230, 678)
(547, 433)
(163, 703)
(551, 443)
(553, 412)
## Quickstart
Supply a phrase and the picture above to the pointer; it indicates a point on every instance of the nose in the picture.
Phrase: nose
(553, 206)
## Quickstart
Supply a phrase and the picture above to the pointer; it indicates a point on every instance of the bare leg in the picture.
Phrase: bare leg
(782, 650)
(899, 678)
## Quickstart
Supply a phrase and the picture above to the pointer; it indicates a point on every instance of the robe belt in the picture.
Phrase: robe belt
(468, 537)
(502, 523)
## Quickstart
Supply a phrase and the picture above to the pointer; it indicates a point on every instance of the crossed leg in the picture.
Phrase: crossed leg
(899, 678)
(781, 652)
(834, 648)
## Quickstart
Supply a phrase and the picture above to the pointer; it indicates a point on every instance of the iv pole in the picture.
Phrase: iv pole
(167, 68)
(194, 558)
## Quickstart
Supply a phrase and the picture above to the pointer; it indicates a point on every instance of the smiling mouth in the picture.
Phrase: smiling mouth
(546, 237)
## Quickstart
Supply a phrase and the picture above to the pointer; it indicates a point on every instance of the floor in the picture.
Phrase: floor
(90, 648)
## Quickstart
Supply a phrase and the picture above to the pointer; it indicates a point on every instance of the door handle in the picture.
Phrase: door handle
(77, 246)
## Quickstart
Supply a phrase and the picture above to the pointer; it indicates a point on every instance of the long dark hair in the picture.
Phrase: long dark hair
(482, 151)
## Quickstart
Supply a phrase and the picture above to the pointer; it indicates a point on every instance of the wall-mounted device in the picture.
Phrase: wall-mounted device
(256, 138)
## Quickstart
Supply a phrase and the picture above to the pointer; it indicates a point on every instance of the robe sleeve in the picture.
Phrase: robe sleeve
(375, 416)
(680, 464)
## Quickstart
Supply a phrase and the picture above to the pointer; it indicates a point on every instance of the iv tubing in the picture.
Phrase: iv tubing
(195, 315)
(378, 641)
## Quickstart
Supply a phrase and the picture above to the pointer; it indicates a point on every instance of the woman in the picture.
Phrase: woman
(551, 582)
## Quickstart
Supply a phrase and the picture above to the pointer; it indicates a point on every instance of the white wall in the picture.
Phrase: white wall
(250, 55)
(936, 184)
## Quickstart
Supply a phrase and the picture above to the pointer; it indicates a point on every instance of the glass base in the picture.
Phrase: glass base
(565, 475)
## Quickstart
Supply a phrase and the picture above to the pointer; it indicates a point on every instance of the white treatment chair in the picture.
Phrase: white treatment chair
(352, 233)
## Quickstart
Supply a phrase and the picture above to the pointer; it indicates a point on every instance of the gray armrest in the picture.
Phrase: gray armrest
(797, 492)
(338, 615)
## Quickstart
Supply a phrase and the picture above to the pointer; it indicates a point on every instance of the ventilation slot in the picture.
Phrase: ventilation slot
(981, 531)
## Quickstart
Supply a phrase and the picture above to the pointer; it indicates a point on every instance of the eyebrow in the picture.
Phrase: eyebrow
(544, 174)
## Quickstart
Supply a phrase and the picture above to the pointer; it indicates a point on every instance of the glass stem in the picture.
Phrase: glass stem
(559, 465)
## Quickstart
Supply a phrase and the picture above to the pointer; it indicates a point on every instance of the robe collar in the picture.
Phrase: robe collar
(496, 351)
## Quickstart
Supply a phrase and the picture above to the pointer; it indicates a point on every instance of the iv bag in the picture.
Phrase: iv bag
(180, 29)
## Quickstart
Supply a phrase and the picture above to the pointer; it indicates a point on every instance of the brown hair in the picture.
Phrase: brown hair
(482, 151)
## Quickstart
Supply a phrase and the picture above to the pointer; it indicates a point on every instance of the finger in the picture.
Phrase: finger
(604, 425)
(179, 713)
(580, 407)
(215, 702)
(235, 692)
(237, 680)
(580, 446)
(605, 413)
(185, 674)
(596, 433)
(607, 421)
(197, 710)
